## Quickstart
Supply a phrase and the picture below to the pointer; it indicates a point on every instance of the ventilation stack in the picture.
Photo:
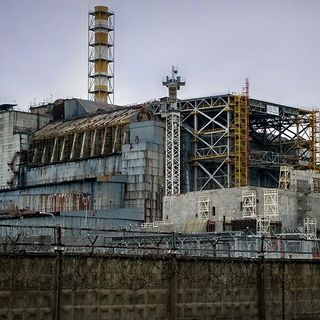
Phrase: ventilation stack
(172, 114)
(101, 55)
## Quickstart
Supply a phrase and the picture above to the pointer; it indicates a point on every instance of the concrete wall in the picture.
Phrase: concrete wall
(65, 197)
(302, 180)
(12, 122)
(98, 219)
(76, 170)
(227, 202)
(142, 161)
(53, 286)
(133, 179)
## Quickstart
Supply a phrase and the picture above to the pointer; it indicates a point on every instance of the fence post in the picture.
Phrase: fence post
(283, 290)
(261, 282)
(173, 287)
(58, 271)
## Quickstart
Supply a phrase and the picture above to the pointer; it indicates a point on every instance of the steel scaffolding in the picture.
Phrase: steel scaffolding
(249, 203)
(235, 141)
(280, 136)
(271, 203)
(208, 121)
(314, 141)
(204, 207)
(241, 140)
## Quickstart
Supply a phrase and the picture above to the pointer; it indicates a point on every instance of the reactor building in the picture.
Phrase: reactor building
(222, 162)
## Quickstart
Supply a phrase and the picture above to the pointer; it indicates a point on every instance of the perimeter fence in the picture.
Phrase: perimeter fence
(39, 239)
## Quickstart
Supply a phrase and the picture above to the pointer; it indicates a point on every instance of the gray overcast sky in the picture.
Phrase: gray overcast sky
(216, 44)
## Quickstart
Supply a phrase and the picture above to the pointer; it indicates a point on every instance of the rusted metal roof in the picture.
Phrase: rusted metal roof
(91, 122)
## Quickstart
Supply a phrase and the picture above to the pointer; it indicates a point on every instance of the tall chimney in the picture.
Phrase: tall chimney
(101, 55)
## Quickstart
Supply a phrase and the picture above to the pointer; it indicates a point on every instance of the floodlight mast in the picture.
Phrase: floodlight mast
(172, 115)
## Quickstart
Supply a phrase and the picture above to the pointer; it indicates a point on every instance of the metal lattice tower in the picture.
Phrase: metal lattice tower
(172, 115)
(101, 55)
(172, 153)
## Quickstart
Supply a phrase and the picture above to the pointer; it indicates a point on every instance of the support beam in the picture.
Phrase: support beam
(83, 144)
(72, 153)
(103, 146)
(53, 155)
(62, 149)
(44, 154)
(93, 143)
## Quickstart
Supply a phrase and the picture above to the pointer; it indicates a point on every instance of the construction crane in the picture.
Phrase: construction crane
(172, 115)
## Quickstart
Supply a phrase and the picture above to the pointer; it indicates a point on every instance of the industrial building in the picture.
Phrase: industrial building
(79, 157)
(91, 157)
(201, 164)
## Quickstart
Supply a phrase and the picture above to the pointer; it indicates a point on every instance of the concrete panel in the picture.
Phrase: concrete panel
(123, 287)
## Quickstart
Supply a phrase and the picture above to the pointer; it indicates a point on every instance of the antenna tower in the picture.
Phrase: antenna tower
(245, 89)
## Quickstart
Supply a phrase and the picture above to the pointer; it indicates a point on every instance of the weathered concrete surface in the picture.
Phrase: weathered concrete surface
(112, 287)
(178, 210)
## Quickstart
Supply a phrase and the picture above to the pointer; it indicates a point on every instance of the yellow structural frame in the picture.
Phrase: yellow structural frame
(241, 140)
(314, 141)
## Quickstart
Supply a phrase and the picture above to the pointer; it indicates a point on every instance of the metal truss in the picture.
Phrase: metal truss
(267, 159)
(204, 207)
(286, 136)
(172, 153)
(249, 203)
(271, 203)
(234, 145)
(219, 129)
(208, 121)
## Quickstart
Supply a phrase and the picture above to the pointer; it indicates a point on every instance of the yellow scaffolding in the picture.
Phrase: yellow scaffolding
(241, 140)
(314, 141)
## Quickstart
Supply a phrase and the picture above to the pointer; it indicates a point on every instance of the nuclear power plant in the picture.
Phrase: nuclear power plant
(206, 164)
(199, 208)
